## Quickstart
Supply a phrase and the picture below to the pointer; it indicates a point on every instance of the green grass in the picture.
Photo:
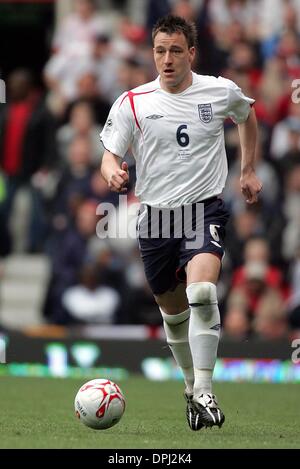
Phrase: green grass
(38, 413)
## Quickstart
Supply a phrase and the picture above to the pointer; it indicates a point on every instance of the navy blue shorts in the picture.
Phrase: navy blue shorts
(169, 241)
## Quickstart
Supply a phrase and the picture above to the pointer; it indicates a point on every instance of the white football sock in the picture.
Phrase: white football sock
(203, 381)
(204, 331)
(176, 328)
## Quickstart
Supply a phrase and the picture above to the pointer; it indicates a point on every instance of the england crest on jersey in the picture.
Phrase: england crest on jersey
(205, 113)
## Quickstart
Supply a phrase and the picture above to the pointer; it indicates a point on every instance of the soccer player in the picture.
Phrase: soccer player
(174, 126)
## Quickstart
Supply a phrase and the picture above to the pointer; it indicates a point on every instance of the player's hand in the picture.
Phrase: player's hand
(250, 187)
(119, 179)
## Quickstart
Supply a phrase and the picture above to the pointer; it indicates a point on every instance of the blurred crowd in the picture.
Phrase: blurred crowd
(50, 144)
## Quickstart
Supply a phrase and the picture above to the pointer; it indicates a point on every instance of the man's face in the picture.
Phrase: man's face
(173, 59)
(84, 9)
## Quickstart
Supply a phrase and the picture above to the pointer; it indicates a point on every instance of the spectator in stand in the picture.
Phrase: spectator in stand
(286, 134)
(291, 158)
(223, 12)
(268, 176)
(255, 43)
(186, 9)
(288, 50)
(74, 183)
(274, 91)
(142, 306)
(87, 90)
(156, 9)
(294, 304)
(27, 145)
(224, 38)
(276, 18)
(271, 322)
(236, 324)
(73, 48)
(291, 209)
(134, 34)
(132, 73)
(81, 124)
(257, 250)
(259, 307)
(68, 254)
(244, 59)
(5, 241)
(111, 271)
(107, 63)
(78, 29)
(89, 301)
(245, 224)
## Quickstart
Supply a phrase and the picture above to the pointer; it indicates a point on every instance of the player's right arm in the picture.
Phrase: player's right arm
(116, 136)
(116, 177)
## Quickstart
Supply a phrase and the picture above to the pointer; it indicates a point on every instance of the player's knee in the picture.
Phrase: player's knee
(176, 326)
(201, 293)
(169, 307)
(202, 297)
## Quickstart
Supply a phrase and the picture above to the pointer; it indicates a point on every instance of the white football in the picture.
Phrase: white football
(99, 404)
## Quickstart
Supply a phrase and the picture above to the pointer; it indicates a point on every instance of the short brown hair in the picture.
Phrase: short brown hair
(175, 24)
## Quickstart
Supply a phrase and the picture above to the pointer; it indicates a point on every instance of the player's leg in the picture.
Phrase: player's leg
(160, 259)
(204, 330)
(175, 312)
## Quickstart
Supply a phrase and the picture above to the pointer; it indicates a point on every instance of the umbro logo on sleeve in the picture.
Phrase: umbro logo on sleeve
(154, 116)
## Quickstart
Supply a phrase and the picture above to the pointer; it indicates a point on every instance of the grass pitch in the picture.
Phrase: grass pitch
(39, 413)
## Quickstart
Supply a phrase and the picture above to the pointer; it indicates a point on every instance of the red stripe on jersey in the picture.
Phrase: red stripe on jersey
(131, 95)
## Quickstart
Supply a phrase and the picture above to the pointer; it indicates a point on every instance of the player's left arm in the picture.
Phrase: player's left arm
(250, 184)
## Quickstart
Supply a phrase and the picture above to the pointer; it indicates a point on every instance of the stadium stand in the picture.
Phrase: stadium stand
(107, 51)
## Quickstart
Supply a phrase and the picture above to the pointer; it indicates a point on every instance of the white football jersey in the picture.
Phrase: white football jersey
(177, 139)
